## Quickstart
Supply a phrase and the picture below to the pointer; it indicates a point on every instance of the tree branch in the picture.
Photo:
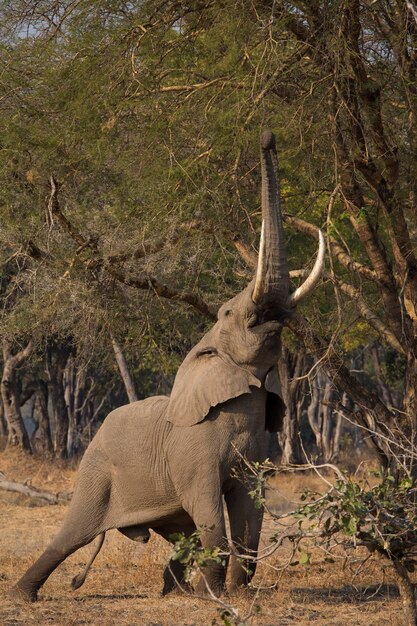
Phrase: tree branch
(33, 492)
(371, 411)
(366, 313)
(148, 282)
(343, 257)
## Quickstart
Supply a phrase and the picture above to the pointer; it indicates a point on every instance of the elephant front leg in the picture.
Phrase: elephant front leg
(245, 529)
(208, 517)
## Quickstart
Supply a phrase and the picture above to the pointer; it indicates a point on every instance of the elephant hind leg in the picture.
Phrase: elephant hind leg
(29, 584)
(174, 578)
(84, 521)
(27, 587)
(79, 580)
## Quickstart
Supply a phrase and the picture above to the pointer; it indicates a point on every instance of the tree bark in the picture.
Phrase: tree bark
(409, 410)
(3, 423)
(383, 388)
(406, 589)
(328, 422)
(291, 367)
(57, 357)
(42, 437)
(18, 435)
(124, 370)
(325, 425)
(68, 383)
(77, 399)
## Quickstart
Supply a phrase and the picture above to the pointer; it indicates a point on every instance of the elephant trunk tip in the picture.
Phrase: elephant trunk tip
(268, 140)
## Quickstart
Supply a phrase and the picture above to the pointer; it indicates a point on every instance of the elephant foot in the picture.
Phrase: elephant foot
(208, 587)
(180, 588)
(175, 579)
(236, 586)
(233, 589)
(23, 594)
(241, 576)
(240, 590)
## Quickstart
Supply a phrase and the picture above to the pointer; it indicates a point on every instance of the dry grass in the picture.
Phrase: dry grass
(124, 585)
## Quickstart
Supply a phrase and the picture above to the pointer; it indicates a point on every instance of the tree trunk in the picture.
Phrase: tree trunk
(329, 421)
(384, 390)
(291, 367)
(369, 410)
(17, 433)
(325, 425)
(409, 412)
(3, 423)
(406, 589)
(42, 437)
(314, 412)
(57, 357)
(124, 371)
(68, 383)
(76, 401)
(337, 431)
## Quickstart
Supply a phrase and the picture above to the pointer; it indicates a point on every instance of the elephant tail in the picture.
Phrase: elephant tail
(79, 580)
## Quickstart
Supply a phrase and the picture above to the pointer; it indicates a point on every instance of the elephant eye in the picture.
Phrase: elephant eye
(228, 312)
(209, 351)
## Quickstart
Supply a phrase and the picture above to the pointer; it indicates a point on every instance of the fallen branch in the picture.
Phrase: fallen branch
(33, 492)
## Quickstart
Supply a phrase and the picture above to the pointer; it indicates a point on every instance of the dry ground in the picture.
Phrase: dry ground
(123, 587)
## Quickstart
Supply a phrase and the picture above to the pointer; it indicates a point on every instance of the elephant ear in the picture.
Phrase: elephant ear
(275, 405)
(205, 379)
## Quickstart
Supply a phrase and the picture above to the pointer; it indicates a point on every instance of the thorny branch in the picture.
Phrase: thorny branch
(112, 267)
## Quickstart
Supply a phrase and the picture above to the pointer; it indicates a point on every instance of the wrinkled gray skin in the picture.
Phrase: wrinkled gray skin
(164, 463)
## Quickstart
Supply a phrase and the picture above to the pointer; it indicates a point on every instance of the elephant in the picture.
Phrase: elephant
(167, 462)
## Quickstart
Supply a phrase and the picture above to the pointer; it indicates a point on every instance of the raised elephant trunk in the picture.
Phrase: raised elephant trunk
(272, 278)
(272, 282)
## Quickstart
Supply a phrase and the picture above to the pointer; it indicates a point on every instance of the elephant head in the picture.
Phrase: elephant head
(242, 348)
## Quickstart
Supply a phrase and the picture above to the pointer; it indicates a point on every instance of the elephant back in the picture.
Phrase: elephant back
(133, 427)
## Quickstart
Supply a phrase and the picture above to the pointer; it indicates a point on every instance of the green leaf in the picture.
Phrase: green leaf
(352, 526)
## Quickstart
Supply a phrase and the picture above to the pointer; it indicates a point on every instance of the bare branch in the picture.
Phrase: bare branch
(343, 257)
(33, 492)
(148, 283)
(373, 320)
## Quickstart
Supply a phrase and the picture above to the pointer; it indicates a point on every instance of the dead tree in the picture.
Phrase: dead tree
(3, 423)
(10, 393)
(325, 423)
(124, 370)
(56, 359)
(42, 436)
(291, 369)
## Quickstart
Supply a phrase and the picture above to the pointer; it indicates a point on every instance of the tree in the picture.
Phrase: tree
(164, 211)
(17, 434)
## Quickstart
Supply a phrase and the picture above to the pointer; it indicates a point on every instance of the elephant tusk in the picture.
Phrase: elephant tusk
(311, 281)
(259, 288)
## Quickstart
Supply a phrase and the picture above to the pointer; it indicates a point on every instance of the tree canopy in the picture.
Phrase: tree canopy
(129, 196)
